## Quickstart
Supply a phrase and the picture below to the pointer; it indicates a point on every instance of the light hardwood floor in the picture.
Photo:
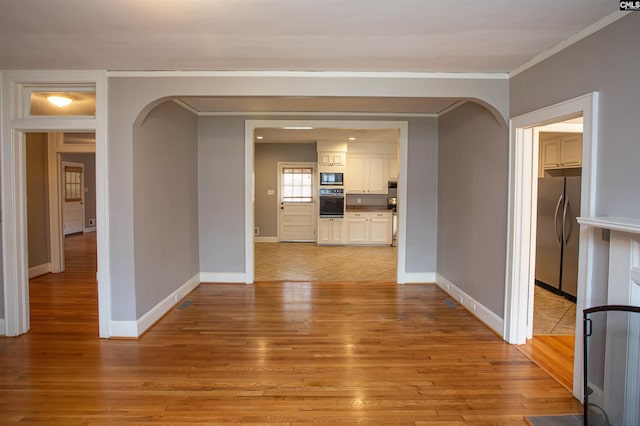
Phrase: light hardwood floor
(271, 353)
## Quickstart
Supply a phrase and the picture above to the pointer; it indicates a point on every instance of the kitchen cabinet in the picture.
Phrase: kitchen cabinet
(367, 174)
(561, 152)
(332, 159)
(373, 228)
(393, 167)
(331, 231)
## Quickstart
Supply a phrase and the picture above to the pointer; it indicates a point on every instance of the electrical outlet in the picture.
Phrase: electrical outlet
(256, 231)
(92, 222)
(359, 201)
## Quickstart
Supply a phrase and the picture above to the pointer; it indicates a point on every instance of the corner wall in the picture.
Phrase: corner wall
(472, 204)
(165, 185)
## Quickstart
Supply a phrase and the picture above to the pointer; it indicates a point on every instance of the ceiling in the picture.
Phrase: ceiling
(496, 36)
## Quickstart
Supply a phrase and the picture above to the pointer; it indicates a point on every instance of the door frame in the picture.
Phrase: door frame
(521, 230)
(64, 164)
(249, 167)
(14, 125)
(280, 165)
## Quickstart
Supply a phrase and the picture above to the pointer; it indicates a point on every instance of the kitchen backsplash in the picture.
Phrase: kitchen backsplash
(371, 199)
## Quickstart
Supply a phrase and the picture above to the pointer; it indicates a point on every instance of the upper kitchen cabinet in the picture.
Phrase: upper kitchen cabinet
(332, 159)
(370, 166)
(332, 156)
(367, 174)
(560, 150)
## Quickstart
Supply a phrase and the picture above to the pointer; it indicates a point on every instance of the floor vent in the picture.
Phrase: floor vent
(185, 304)
(450, 303)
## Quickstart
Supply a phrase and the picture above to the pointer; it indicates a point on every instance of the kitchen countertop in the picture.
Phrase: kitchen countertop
(364, 208)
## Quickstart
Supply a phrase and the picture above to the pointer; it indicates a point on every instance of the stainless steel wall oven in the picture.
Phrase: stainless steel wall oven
(331, 202)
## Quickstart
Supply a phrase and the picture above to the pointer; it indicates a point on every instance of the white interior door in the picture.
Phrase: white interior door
(297, 210)
(73, 197)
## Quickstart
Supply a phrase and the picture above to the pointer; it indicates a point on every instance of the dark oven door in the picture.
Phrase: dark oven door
(331, 205)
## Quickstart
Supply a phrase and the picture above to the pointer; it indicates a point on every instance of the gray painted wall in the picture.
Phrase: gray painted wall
(37, 199)
(89, 161)
(221, 194)
(472, 203)
(165, 183)
(267, 156)
(608, 62)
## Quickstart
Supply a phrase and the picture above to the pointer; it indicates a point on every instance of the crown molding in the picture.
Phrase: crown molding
(597, 26)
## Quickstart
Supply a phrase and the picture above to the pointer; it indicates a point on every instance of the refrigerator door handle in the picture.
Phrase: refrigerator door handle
(566, 228)
(555, 220)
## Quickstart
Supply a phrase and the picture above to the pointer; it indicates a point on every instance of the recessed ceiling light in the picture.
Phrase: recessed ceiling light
(298, 128)
(352, 139)
(59, 101)
(259, 137)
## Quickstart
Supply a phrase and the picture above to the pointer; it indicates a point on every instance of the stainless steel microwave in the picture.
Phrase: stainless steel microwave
(331, 178)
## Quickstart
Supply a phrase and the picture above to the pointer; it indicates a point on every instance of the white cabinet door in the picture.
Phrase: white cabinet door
(571, 151)
(378, 175)
(380, 229)
(330, 231)
(551, 154)
(393, 167)
(357, 230)
(357, 174)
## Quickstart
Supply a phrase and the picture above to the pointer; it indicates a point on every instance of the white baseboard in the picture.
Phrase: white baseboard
(223, 277)
(136, 328)
(478, 310)
(266, 239)
(89, 229)
(417, 277)
(36, 271)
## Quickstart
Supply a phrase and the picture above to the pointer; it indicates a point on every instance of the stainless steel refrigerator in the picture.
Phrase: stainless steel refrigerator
(558, 234)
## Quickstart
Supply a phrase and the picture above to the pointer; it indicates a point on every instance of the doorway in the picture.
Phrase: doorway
(60, 274)
(332, 268)
(522, 219)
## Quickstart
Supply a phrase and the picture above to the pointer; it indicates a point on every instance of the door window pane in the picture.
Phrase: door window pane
(297, 184)
(72, 183)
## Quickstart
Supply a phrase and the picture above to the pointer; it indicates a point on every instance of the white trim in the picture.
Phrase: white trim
(12, 190)
(158, 311)
(137, 328)
(89, 229)
(317, 114)
(251, 125)
(36, 271)
(597, 26)
(223, 277)
(417, 278)
(266, 239)
(123, 328)
(484, 314)
(314, 74)
(521, 218)
(623, 224)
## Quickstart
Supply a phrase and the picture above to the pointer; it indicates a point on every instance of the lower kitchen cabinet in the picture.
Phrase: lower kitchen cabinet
(372, 228)
(331, 231)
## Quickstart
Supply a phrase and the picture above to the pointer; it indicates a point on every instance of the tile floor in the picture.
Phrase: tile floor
(309, 262)
(553, 314)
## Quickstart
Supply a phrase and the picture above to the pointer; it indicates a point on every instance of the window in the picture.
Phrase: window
(297, 184)
(72, 183)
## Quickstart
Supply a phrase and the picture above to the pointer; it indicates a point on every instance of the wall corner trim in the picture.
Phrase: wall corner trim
(417, 278)
(489, 318)
(136, 328)
(223, 277)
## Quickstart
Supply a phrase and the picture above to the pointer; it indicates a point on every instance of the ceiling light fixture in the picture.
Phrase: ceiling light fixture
(352, 139)
(298, 128)
(259, 137)
(59, 101)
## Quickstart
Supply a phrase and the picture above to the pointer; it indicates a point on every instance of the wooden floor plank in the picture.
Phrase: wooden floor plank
(270, 353)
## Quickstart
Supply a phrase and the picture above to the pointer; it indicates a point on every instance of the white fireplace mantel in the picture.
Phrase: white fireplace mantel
(622, 224)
